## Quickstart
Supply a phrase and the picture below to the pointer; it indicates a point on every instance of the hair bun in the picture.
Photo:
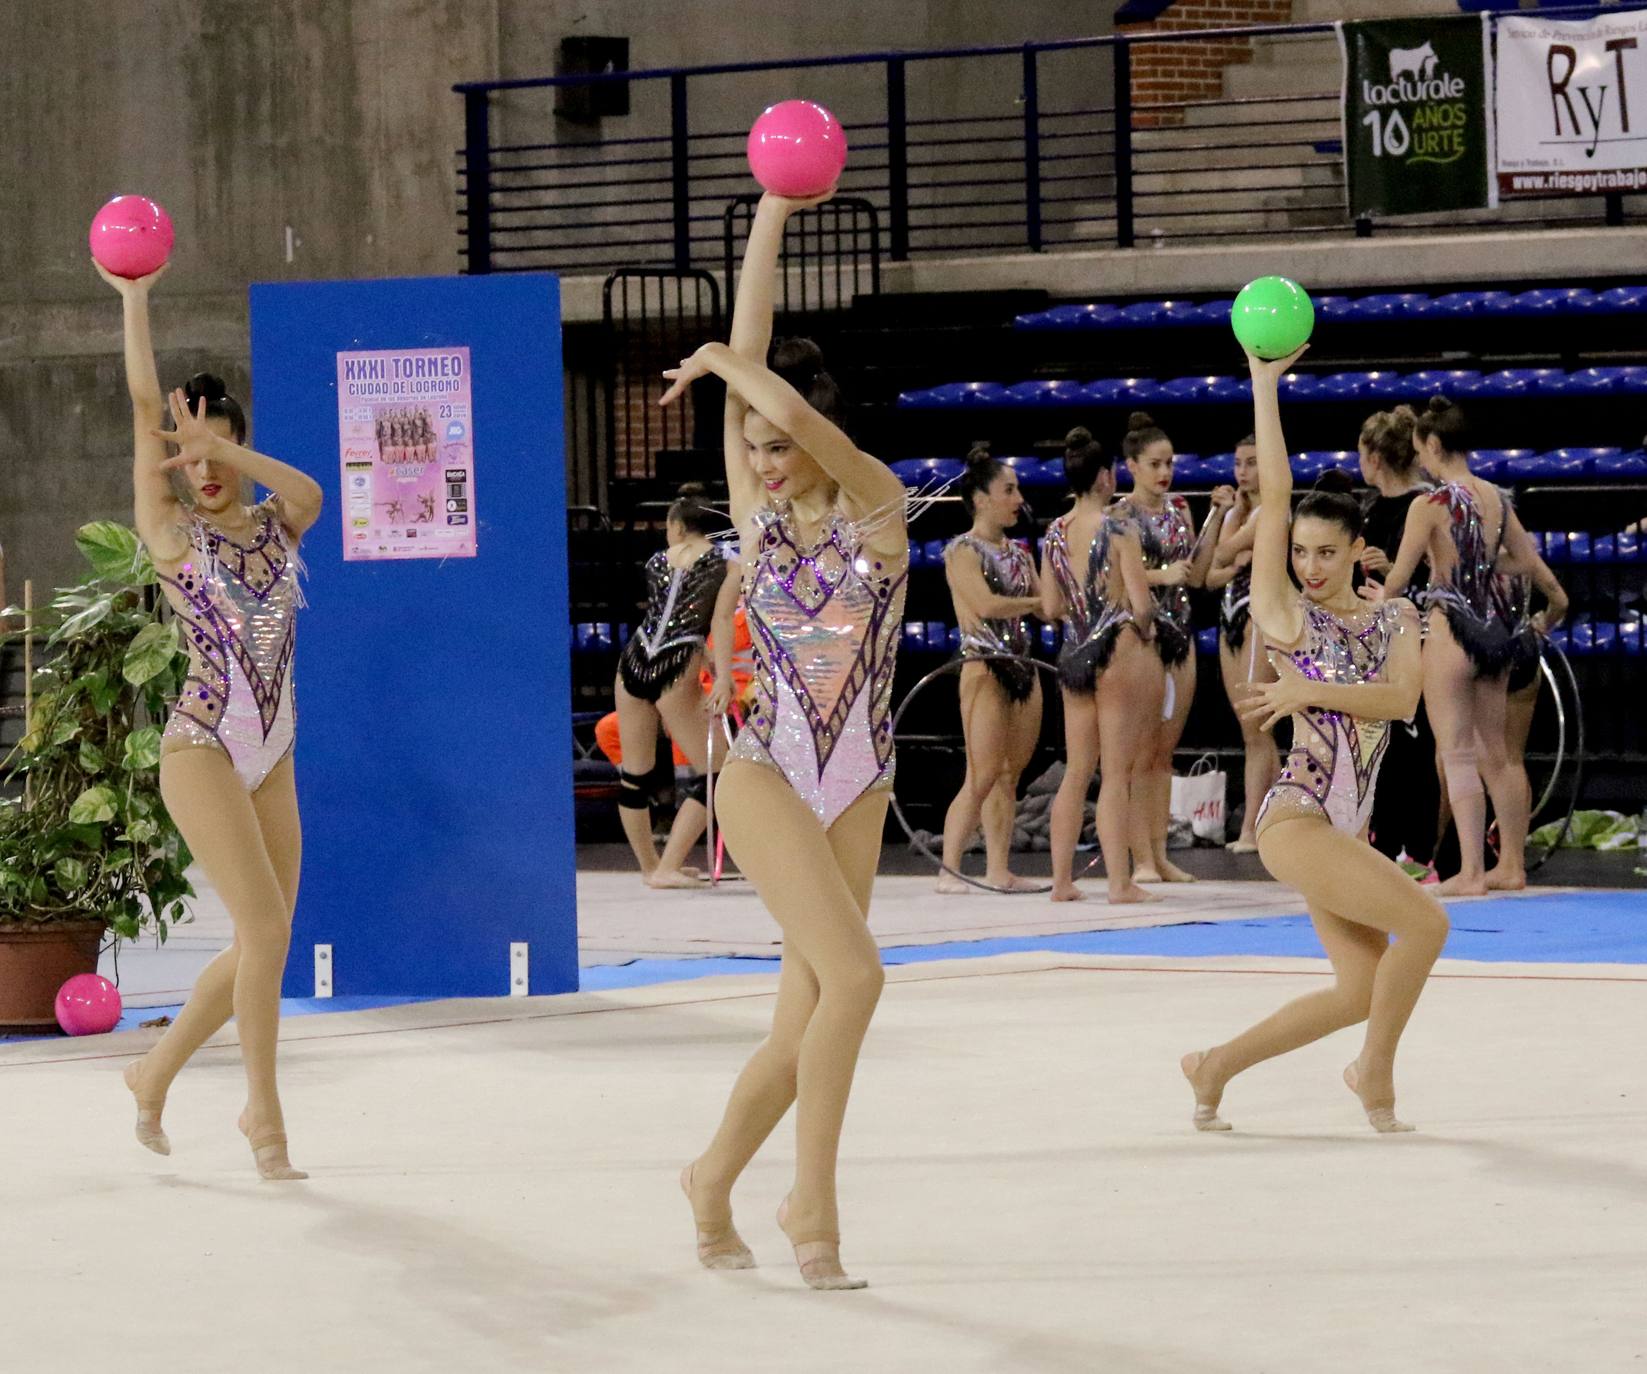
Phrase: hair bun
(689, 490)
(1335, 480)
(1139, 420)
(205, 386)
(1079, 437)
(800, 361)
(979, 453)
(1438, 405)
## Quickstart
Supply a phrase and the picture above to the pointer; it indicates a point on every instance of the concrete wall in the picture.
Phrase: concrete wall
(333, 120)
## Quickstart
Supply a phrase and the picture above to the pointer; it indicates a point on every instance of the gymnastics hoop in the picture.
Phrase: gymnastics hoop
(952, 667)
(1545, 650)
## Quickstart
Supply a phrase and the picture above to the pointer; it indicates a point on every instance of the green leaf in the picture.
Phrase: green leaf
(82, 621)
(142, 831)
(112, 549)
(67, 728)
(71, 874)
(150, 653)
(125, 926)
(91, 757)
(91, 836)
(142, 749)
(93, 805)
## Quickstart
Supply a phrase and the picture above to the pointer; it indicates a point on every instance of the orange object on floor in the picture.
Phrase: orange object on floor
(606, 738)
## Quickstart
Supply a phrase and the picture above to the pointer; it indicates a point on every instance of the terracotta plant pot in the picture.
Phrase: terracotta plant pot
(37, 960)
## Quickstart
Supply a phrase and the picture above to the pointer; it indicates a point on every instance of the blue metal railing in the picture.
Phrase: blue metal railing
(1040, 177)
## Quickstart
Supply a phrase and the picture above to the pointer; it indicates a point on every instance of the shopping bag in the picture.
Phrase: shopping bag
(1198, 797)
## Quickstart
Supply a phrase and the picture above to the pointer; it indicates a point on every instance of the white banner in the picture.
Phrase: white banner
(1571, 101)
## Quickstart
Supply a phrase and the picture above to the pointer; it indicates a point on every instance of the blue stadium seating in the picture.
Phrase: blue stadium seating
(1332, 386)
(1375, 306)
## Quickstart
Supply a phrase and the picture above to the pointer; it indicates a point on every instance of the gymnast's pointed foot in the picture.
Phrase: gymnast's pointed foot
(1380, 1112)
(269, 1152)
(719, 1244)
(1209, 1092)
(150, 1134)
(818, 1256)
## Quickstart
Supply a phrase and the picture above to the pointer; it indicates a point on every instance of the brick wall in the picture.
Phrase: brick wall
(1168, 74)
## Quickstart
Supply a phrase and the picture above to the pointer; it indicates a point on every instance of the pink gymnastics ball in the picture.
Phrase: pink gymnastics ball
(131, 236)
(797, 149)
(88, 1004)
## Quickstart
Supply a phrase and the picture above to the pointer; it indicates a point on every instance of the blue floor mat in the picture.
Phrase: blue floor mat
(1563, 928)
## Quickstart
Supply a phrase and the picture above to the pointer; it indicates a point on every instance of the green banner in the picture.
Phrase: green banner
(1415, 115)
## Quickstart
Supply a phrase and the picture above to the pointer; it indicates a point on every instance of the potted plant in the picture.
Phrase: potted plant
(86, 848)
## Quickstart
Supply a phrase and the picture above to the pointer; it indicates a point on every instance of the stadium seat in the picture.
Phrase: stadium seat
(1388, 305)
(1219, 469)
(1189, 471)
(1622, 299)
(1547, 300)
(919, 472)
(1306, 467)
(1420, 386)
(1032, 473)
(1489, 463)
(1214, 312)
(1517, 381)
(914, 635)
(1461, 304)
(1185, 389)
(1299, 386)
(1560, 464)
(1049, 638)
(1116, 390)
(1206, 640)
(1231, 389)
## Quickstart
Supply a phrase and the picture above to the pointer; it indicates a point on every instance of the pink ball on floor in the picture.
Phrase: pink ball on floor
(131, 236)
(88, 1004)
(797, 149)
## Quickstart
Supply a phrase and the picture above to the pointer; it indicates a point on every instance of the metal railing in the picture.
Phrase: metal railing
(1030, 147)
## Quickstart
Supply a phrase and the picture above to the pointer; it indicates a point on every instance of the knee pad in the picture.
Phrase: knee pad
(697, 790)
(1463, 777)
(631, 792)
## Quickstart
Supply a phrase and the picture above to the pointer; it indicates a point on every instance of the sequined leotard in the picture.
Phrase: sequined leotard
(825, 621)
(238, 609)
(1092, 622)
(1332, 767)
(1165, 537)
(680, 604)
(1235, 609)
(1008, 571)
(1465, 594)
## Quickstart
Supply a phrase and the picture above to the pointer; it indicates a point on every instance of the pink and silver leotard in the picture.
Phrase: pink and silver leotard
(238, 609)
(1332, 767)
(825, 622)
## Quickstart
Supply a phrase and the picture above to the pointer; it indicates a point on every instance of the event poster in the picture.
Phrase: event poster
(1416, 137)
(407, 441)
(1572, 105)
